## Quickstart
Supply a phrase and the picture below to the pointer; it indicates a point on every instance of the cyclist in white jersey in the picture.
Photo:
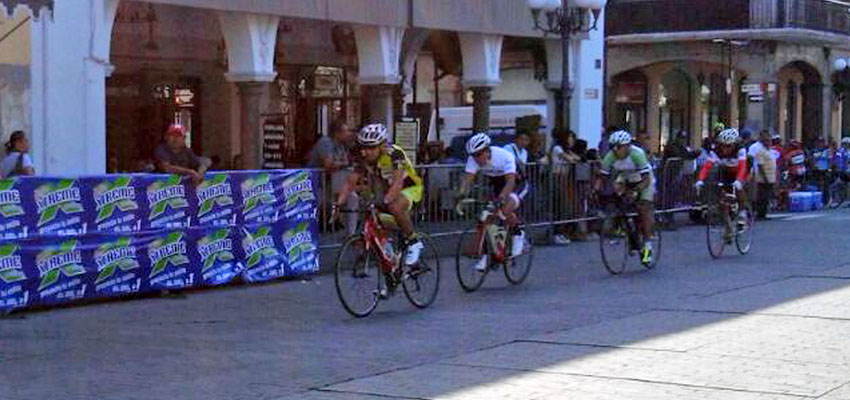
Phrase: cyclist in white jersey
(500, 168)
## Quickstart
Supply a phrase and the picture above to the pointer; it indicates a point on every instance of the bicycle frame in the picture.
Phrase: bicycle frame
(373, 234)
(489, 217)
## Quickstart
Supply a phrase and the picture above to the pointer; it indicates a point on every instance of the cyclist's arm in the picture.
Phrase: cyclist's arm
(510, 185)
(347, 187)
(706, 169)
(466, 184)
(644, 182)
(397, 185)
(742, 166)
(604, 170)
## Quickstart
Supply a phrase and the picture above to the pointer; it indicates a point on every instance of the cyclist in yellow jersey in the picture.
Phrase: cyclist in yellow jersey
(402, 185)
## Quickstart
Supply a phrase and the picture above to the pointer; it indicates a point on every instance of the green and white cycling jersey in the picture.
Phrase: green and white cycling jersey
(630, 169)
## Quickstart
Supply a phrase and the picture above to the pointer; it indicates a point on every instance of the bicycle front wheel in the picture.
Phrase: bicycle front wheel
(472, 259)
(357, 276)
(614, 244)
(744, 236)
(518, 267)
(718, 232)
(422, 281)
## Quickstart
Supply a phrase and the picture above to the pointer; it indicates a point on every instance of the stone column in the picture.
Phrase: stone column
(378, 54)
(381, 101)
(251, 41)
(482, 56)
(828, 106)
(481, 108)
(250, 137)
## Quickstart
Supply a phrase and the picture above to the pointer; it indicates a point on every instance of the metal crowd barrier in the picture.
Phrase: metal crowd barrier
(561, 194)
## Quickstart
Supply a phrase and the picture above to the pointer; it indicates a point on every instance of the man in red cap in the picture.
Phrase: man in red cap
(173, 157)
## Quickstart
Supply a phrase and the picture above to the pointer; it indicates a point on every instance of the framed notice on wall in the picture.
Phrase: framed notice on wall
(407, 136)
(274, 138)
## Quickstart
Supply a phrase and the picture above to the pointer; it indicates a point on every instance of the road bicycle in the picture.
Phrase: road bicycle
(837, 192)
(487, 247)
(370, 266)
(620, 236)
(722, 223)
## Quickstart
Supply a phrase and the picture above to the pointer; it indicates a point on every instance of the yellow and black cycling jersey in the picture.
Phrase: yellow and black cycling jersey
(390, 161)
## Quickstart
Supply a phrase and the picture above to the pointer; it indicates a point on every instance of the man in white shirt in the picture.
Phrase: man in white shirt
(519, 147)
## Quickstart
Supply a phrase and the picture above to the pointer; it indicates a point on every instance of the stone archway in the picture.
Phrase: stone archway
(800, 102)
(628, 101)
(675, 104)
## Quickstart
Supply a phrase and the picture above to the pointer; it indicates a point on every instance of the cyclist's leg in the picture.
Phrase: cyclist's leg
(513, 203)
(400, 209)
(646, 212)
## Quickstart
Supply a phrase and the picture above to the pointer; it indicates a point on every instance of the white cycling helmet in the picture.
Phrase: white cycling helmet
(620, 138)
(477, 142)
(728, 136)
(372, 135)
(845, 140)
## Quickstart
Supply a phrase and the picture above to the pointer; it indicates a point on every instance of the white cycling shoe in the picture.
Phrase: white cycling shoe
(413, 251)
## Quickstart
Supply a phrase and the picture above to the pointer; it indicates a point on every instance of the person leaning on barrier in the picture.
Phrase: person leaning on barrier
(174, 157)
(17, 162)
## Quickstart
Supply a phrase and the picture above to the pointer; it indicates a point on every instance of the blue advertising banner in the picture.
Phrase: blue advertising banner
(69, 239)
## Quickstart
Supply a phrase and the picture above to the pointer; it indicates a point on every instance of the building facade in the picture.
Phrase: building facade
(754, 64)
(96, 82)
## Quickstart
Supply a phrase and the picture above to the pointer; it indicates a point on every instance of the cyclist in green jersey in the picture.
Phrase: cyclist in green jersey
(632, 173)
(396, 178)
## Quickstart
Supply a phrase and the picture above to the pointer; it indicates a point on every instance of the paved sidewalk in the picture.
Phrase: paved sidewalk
(723, 347)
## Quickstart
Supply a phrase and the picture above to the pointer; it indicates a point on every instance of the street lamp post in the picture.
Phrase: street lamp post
(565, 19)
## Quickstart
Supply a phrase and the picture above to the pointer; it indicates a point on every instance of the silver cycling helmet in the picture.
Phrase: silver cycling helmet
(372, 135)
(728, 136)
(477, 142)
(620, 138)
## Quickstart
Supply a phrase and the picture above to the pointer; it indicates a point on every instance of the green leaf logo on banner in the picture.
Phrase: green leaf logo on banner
(10, 199)
(257, 191)
(117, 194)
(298, 188)
(297, 241)
(216, 246)
(259, 245)
(11, 269)
(214, 190)
(170, 250)
(53, 197)
(164, 194)
(114, 256)
(52, 263)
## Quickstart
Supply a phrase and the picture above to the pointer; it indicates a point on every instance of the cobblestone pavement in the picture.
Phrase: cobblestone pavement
(770, 325)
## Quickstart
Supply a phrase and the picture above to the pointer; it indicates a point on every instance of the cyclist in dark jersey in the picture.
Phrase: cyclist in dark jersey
(402, 185)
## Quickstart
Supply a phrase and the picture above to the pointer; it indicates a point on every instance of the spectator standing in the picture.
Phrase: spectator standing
(821, 157)
(765, 174)
(675, 155)
(519, 148)
(564, 157)
(174, 157)
(333, 155)
(17, 161)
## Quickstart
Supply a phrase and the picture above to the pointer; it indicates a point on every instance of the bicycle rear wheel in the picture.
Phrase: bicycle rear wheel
(471, 249)
(718, 234)
(357, 277)
(614, 244)
(517, 268)
(744, 237)
(421, 282)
